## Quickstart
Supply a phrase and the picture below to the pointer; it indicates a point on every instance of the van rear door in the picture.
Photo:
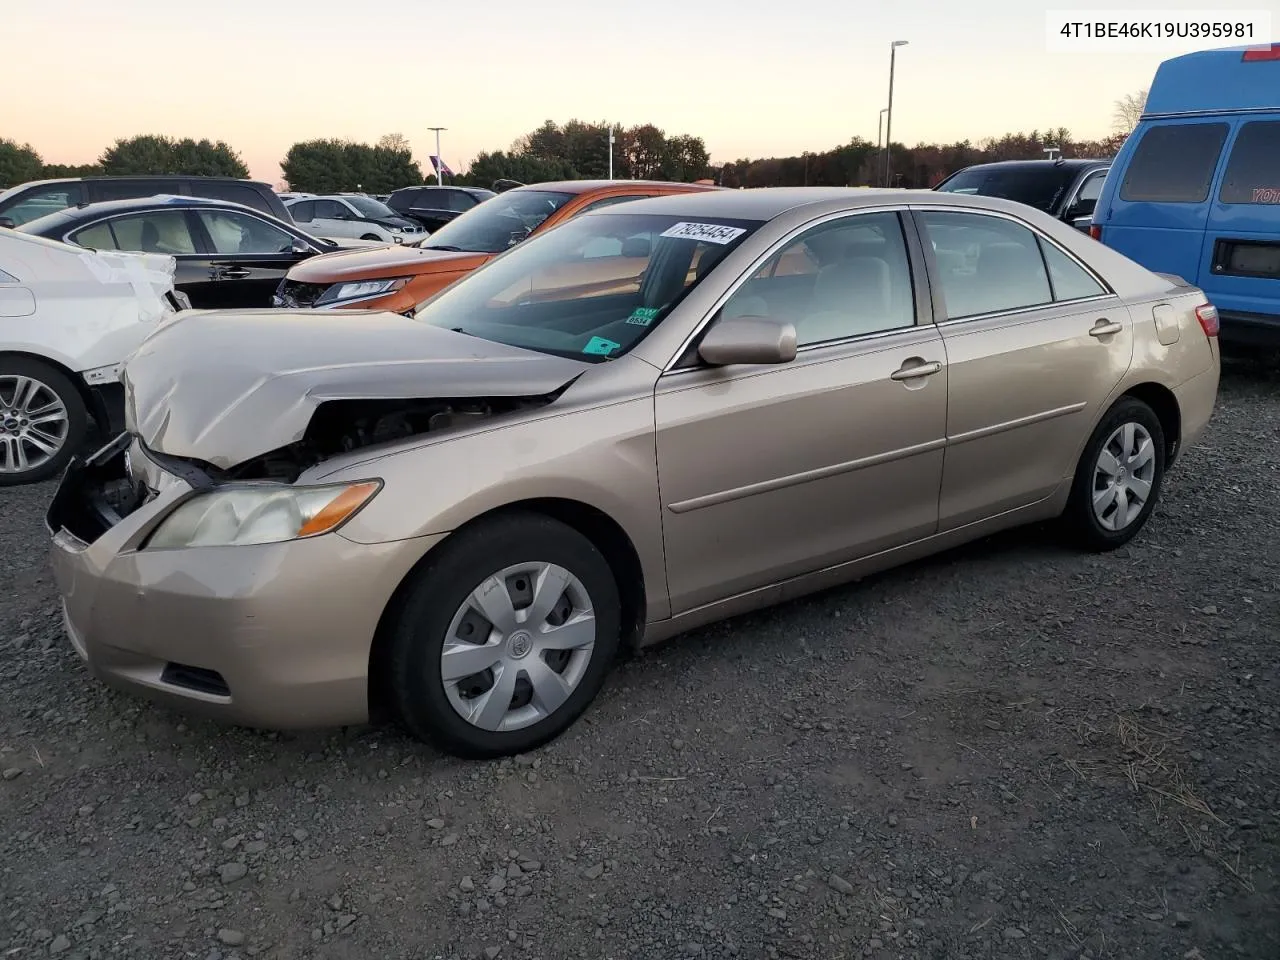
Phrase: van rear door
(1157, 213)
(1240, 263)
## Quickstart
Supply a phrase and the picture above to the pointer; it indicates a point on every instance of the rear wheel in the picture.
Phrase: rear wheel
(505, 637)
(1119, 477)
(43, 421)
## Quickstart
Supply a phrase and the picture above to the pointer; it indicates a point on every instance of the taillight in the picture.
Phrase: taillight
(1207, 314)
(1262, 53)
(1095, 231)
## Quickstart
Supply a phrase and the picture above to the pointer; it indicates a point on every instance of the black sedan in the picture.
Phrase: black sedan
(228, 255)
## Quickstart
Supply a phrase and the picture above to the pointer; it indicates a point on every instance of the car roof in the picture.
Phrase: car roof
(590, 186)
(1067, 163)
(88, 211)
(1225, 80)
(768, 203)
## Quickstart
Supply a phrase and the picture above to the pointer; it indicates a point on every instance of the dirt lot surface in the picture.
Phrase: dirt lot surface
(1013, 750)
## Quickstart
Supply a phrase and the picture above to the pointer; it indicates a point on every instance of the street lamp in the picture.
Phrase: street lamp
(610, 152)
(439, 158)
(880, 132)
(888, 123)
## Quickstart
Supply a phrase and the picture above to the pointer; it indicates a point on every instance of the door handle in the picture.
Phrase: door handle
(231, 273)
(1105, 328)
(915, 368)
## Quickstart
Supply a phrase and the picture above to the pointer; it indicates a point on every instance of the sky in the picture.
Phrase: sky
(753, 78)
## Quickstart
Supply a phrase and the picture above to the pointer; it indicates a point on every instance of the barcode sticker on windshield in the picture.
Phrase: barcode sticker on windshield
(707, 232)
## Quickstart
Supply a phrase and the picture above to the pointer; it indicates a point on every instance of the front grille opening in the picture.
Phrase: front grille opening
(195, 678)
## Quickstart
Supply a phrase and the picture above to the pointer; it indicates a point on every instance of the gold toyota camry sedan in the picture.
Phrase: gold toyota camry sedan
(655, 416)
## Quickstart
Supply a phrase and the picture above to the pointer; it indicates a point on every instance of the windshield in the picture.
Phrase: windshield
(590, 289)
(498, 223)
(1039, 187)
(374, 209)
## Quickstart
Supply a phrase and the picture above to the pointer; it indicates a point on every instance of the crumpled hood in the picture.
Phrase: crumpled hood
(385, 261)
(226, 386)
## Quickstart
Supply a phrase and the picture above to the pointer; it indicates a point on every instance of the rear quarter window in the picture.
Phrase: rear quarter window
(1253, 170)
(1174, 163)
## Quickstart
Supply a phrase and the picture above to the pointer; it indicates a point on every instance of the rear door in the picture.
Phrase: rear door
(1158, 211)
(1035, 343)
(1240, 262)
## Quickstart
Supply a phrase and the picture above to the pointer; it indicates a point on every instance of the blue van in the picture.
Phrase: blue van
(1195, 190)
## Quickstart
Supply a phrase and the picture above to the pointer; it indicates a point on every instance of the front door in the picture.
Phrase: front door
(332, 219)
(248, 257)
(1032, 353)
(768, 472)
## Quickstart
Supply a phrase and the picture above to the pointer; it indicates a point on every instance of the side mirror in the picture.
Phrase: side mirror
(748, 340)
(1083, 223)
(299, 246)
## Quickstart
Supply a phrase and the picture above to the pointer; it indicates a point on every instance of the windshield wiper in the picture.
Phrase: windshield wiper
(447, 247)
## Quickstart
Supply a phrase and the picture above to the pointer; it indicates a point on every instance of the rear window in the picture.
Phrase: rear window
(1174, 163)
(1039, 187)
(1253, 171)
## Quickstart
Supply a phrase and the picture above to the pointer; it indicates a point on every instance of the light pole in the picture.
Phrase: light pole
(439, 159)
(611, 153)
(888, 122)
(880, 132)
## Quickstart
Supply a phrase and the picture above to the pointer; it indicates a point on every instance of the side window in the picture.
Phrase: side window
(156, 231)
(97, 237)
(42, 202)
(609, 202)
(1253, 172)
(1070, 280)
(1091, 189)
(1174, 163)
(331, 210)
(845, 278)
(234, 233)
(456, 200)
(303, 211)
(985, 264)
(132, 188)
(233, 192)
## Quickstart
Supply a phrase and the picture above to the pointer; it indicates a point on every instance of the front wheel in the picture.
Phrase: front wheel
(1118, 479)
(371, 236)
(43, 421)
(504, 638)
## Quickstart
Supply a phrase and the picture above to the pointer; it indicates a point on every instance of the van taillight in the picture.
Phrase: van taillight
(1095, 231)
(1262, 53)
(1207, 314)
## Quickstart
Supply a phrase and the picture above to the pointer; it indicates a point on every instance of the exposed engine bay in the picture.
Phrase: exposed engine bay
(340, 426)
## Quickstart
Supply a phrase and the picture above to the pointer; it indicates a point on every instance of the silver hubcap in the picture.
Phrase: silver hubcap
(33, 424)
(1124, 476)
(518, 646)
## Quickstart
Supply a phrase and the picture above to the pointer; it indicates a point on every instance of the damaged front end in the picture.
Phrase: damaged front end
(97, 493)
(342, 426)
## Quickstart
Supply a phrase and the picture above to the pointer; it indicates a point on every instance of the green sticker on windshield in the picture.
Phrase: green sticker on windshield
(643, 316)
(601, 346)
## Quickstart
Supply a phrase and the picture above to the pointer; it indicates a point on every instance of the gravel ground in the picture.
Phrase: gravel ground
(1013, 750)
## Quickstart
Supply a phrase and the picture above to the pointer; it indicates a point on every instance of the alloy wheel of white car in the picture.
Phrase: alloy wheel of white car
(42, 421)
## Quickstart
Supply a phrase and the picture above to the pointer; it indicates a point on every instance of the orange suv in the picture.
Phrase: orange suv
(401, 277)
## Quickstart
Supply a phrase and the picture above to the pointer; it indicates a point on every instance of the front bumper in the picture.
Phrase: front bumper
(274, 635)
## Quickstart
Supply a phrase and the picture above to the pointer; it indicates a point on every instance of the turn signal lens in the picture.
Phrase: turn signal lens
(338, 509)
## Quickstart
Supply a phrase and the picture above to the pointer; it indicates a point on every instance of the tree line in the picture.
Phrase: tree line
(572, 151)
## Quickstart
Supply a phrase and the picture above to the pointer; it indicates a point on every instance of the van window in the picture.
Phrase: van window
(233, 192)
(1253, 172)
(1174, 163)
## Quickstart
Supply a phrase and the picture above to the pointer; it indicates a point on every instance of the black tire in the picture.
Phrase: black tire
(77, 419)
(1081, 523)
(371, 236)
(439, 588)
